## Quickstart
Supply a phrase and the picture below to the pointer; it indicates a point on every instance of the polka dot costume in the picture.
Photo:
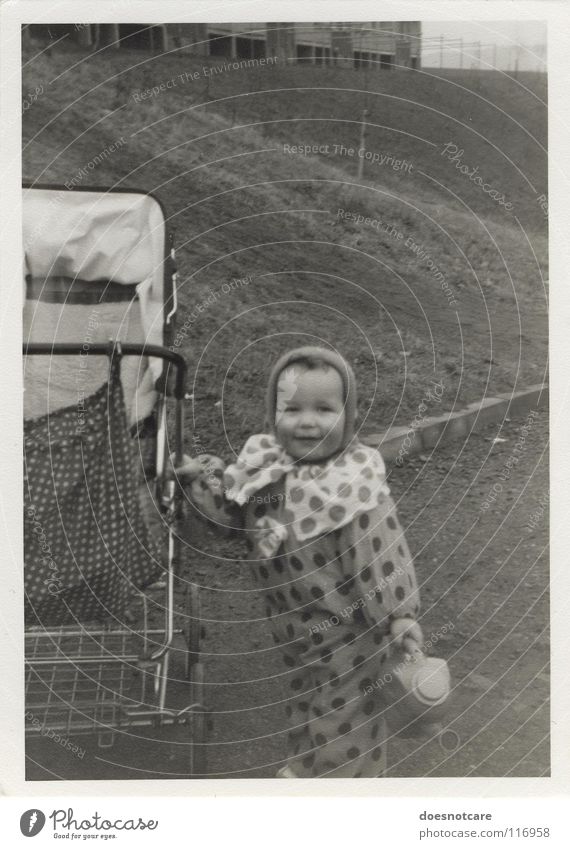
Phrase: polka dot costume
(321, 496)
(330, 599)
(86, 546)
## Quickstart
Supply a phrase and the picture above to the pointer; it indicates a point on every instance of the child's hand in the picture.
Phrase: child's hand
(406, 633)
(187, 471)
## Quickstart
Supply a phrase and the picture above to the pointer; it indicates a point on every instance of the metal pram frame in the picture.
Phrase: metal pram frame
(83, 679)
(98, 679)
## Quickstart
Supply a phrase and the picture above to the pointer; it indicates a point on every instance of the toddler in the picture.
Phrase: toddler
(328, 550)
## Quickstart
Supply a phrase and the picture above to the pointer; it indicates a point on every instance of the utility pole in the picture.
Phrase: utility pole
(362, 138)
(441, 51)
(461, 52)
(479, 54)
(494, 57)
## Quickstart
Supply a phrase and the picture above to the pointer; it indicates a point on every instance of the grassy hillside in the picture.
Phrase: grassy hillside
(216, 150)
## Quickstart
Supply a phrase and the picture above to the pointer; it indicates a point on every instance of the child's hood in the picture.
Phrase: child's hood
(330, 358)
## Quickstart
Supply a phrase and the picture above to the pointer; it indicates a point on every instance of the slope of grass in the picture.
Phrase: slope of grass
(244, 207)
(499, 122)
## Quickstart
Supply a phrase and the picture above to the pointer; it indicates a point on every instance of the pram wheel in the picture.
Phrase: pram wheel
(195, 675)
(198, 758)
(192, 629)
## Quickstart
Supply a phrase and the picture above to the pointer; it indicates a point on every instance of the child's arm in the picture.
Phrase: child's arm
(385, 581)
(201, 478)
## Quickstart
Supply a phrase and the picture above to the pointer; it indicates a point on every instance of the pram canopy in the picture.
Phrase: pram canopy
(82, 249)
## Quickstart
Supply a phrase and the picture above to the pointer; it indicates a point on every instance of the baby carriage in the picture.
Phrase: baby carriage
(108, 616)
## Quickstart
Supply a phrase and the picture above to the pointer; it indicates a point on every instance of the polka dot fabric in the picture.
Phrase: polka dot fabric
(337, 730)
(86, 546)
(320, 497)
(329, 601)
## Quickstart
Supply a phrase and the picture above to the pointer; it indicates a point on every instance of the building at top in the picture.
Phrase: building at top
(381, 44)
(372, 44)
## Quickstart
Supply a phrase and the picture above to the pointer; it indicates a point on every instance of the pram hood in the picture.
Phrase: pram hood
(118, 236)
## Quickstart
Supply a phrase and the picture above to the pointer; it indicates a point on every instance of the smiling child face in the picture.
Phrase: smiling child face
(310, 417)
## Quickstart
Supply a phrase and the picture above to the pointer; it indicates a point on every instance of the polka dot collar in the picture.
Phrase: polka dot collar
(319, 497)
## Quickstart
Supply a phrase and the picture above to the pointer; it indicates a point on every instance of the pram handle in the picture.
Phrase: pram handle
(104, 349)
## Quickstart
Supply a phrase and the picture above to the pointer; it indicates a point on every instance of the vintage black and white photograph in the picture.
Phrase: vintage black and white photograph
(286, 425)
